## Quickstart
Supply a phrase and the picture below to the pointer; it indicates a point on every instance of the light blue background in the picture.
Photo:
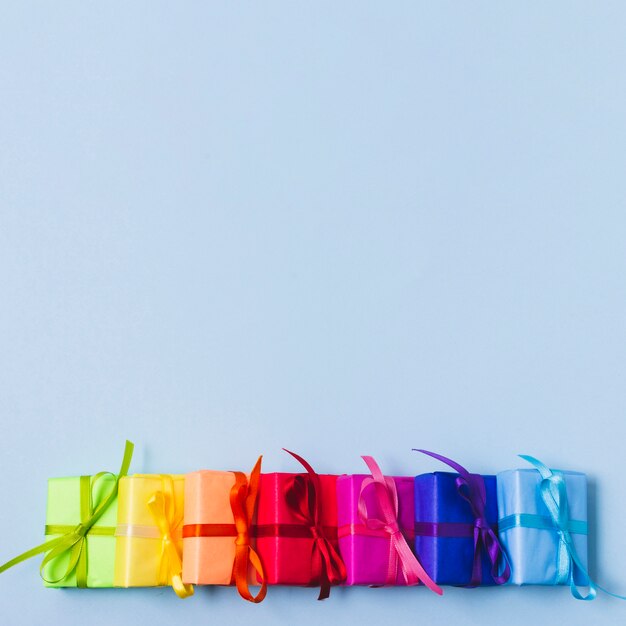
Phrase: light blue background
(344, 228)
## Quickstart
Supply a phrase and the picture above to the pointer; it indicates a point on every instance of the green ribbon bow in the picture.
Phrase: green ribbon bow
(73, 538)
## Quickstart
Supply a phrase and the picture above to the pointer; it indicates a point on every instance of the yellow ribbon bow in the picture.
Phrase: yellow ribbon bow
(168, 520)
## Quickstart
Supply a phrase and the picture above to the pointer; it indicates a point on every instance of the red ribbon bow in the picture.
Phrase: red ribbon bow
(303, 498)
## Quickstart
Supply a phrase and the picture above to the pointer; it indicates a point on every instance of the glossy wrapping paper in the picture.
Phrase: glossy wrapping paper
(149, 530)
(64, 513)
(533, 552)
(449, 559)
(366, 552)
(284, 542)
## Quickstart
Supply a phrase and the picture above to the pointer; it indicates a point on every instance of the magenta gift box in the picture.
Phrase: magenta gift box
(366, 552)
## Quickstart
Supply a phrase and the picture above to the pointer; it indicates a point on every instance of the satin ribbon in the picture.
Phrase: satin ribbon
(553, 492)
(539, 522)
(471, 487)
(293, 531)
(399, 552)
(446, 529)
(243, 500)
(73, 539)
(143, 532)
(361, 529)
(168, 520)
(303, 496)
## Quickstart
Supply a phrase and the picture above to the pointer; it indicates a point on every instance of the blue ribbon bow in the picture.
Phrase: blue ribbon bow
(554, 495)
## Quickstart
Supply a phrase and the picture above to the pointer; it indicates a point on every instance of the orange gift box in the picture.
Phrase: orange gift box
(217, 544)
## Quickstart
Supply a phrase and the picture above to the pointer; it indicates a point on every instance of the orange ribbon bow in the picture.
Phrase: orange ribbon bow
(243, 498)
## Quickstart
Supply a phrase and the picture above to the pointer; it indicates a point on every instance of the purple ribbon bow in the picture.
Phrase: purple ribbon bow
(471, 487)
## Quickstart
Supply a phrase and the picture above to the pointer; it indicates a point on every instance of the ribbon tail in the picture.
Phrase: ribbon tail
(591, 584)
(477, 574)
(255, 560)
(44, 547)
(324, 585)
(106, 502)
(333, 570)
(444, 459)
(244, 555)
(497, 556)
(412, 568)
(392, 565)
(181, 589)
(322, 555)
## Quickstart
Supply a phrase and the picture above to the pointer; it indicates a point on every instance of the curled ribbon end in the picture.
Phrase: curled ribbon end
(181, 589)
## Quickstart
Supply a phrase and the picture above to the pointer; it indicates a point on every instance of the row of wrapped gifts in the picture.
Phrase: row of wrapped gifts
(251, 530)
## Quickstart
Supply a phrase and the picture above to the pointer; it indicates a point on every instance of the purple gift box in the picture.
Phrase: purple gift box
(366, 551)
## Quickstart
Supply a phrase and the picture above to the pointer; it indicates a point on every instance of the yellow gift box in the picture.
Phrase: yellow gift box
(148, 549)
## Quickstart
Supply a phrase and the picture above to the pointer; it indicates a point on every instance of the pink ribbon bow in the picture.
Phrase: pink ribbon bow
(400, 553)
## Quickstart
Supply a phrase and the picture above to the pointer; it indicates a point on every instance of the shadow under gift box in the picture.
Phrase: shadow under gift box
(284, 542)
(64, 513)
(208, 560)
(140, 559)
(444, 538)
(533, 552)
(366, 553)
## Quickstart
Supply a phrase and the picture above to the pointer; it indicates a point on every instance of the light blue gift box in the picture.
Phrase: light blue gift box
(533, 552)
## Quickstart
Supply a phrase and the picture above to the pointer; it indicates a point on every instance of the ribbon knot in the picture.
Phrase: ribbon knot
(471, 487)
(392, 529)
(81, 530)
(242, 539)
(303, 498)
(73, 539)
(399, 550)
(243, 499)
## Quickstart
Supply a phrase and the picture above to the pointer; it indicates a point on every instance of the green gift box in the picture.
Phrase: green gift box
(80, 530)
(63, 515)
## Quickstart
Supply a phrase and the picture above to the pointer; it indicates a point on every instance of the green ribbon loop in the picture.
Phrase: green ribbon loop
(73, 538)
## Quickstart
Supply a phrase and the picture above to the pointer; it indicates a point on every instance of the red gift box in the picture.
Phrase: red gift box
(297, 529)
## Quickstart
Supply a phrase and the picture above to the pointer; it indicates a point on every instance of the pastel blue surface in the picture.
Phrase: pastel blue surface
(533, 552)
(341, 227)
(449, 560)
